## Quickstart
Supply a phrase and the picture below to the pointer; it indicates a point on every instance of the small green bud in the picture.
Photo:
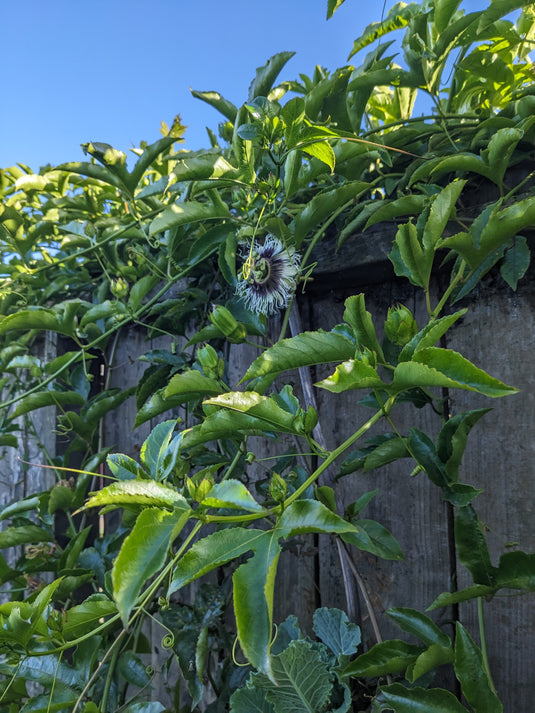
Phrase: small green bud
(119, 288)
(225, 321)
(277, 488)
(400, 325)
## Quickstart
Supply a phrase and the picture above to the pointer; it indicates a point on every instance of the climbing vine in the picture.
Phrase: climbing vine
(207, 249)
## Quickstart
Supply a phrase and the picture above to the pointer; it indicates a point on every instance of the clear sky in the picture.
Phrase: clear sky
(111, 70)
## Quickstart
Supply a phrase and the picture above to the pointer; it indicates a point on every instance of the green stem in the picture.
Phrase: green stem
(440, 306)
(483, 641)
(109, 679)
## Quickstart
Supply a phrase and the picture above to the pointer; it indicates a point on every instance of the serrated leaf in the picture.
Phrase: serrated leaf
(321, 150)
(471, 546)
(85, 617)
(143, 553)
(184, 213)
(305, 349)
(349, 375)
(453, 437)
(419, 625)
(430, 334)
(442, 207)
(430, 659)
(333, 627)
(516, 262)
(471, 674)
(433, 366)
(421, 700)
(125, 468)
(159, 452)
(250, 700)
(264, 409)
(267, 74)
(323, 205)
(136, 493)
(409, 258)
(373, 537)
(37, 318)
(231, 494)
(360, 320)
(190, 385)
(13, 536)
(304, 516)
(391, 656)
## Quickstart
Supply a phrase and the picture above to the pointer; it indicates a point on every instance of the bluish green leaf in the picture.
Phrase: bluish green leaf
(132, 669)
(250, 700)
(333, 627)
(301, 680)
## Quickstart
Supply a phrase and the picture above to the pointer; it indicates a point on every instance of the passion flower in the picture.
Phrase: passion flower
(269, 275)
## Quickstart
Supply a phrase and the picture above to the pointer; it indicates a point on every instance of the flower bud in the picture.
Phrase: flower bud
(400, 325)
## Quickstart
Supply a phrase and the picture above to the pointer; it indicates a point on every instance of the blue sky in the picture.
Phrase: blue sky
(111, 70)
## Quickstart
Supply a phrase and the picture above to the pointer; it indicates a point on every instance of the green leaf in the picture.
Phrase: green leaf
(516, 262)
(36, 318)
(305, 349)
(433, 366)
(254, 584)
(430, 659)
(516, 570)
(231, 494)
(442, 207)
(430, 334)
(125, 468)
(333, 627)
(159, 452)
(423, 450)
(157, 404)
(267, 74)
(391, 656)
(213, 551)
(93, 170)
(13, 536)
(222, 105)
(152, 151)
(386, 452)
(409, 258)
(250, 700)
(421, 700)
(184, 213)
(136, 493)
(42, 399)
(264, 409)
(301, 680)
(192, 385)
(406, 205)
(304, 516)
(464, 595)
(471, 674)
(143, 553)
(453, 437)
(471, 546)
(360, 320)
(132, 669)
(86, 617)
(323, 205)
(321, 150)
(373, 537)
(332, 6)
(353, 374)
(419, 625)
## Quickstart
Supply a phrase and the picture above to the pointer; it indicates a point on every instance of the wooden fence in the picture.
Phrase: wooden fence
(497, 334)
